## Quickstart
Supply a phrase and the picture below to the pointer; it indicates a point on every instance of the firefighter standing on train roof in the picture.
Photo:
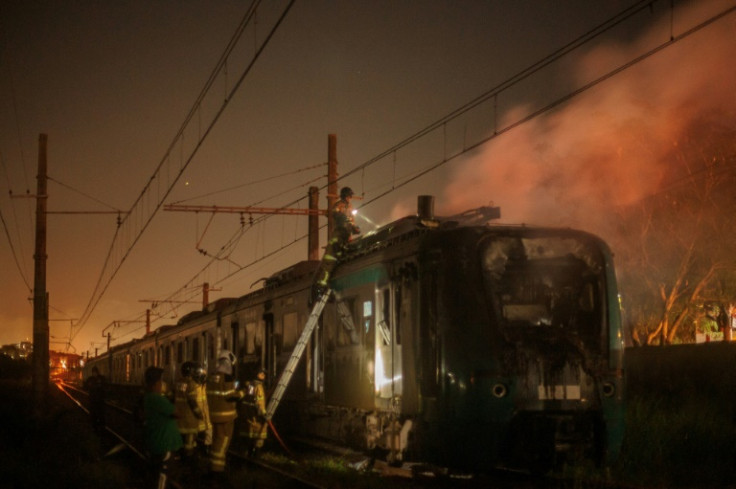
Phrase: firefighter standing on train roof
(192, 410)
(223, 397)
(342, 214)
(345, 228)
(255, 410)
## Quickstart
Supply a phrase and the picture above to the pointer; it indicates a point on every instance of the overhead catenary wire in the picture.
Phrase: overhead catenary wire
(533, 115)
(253, 182)
(69, 187)
(673, 39)
(510, 126)
(104, 282)
(15, 255)
(19, 252)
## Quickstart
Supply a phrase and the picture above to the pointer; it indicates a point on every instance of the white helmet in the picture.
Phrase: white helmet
(225, 362)
(227, 356)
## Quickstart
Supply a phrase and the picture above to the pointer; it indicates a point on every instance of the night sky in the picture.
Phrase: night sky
(112, 84)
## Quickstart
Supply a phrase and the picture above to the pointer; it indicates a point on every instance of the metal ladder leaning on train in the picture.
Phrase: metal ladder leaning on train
(445, 340)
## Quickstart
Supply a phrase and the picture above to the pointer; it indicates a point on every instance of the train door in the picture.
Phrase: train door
(127, 368)
(388, 377)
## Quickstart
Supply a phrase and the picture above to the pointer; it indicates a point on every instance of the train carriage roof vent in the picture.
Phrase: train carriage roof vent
(425, 211)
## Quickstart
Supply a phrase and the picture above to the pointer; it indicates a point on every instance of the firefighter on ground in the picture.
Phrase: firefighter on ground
(344, 229)
(256, 425)
(96, 386)
(160, 433)
(192, 410)
(222, 396)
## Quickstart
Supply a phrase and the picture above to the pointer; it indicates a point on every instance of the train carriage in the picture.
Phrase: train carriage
(447, 341)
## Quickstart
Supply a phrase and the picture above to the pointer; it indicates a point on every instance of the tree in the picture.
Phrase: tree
(675, 248)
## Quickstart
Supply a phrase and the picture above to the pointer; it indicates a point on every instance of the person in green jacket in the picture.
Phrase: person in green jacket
(161, 433)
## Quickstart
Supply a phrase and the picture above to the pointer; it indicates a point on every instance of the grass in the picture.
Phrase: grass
(684, 444)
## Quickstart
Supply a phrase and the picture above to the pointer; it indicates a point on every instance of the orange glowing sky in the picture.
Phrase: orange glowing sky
(111, 83)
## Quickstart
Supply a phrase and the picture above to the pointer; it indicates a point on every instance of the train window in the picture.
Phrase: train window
(345, 326)
(367, 315)
(180, 352)
(383, 321)
(167, 355)
(237, 338)
(546, 282)
(258, 339)
(397, 306)
(195, 349)
(291, 330)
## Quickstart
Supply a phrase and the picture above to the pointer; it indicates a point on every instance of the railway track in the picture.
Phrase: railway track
(314, 467)
(123, 433)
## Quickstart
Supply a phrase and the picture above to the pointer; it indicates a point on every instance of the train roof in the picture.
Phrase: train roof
(421, 223)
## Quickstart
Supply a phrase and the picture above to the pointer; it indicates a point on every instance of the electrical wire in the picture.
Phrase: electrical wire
(494, 92)
(17, 226)
(15, 255)
(254, 182)
(533, 115)
(100, 289)
(83, 194)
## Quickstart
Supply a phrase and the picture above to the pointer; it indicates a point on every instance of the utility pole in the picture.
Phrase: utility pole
(313, 212)
(331, 180)
(40, 384)
(206, 294)
(313, 236)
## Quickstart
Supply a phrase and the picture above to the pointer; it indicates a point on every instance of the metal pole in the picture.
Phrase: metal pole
(313, 219)
(331, 180)
(109, 359)
(40, 295)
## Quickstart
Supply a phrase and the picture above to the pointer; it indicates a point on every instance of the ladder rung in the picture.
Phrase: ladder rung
(290, 367)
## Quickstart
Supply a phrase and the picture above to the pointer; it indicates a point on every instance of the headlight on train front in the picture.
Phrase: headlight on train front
(500, 390)
(609, 389)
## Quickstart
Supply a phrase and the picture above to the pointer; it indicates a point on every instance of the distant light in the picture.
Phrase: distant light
(355, 211)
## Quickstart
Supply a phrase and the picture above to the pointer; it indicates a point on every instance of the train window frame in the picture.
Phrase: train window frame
(545, 283)
(384, 326)
(368, 307)
(343, 339)
(250, 337)
(290, 328)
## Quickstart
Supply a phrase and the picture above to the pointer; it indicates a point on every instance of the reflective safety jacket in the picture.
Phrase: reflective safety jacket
(192, 410)
(342, 215)
(255, 412)
(222, 397)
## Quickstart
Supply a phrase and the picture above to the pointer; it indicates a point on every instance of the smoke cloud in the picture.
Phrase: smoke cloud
(611, 145)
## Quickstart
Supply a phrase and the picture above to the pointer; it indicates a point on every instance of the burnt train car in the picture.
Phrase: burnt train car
(448, 341)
